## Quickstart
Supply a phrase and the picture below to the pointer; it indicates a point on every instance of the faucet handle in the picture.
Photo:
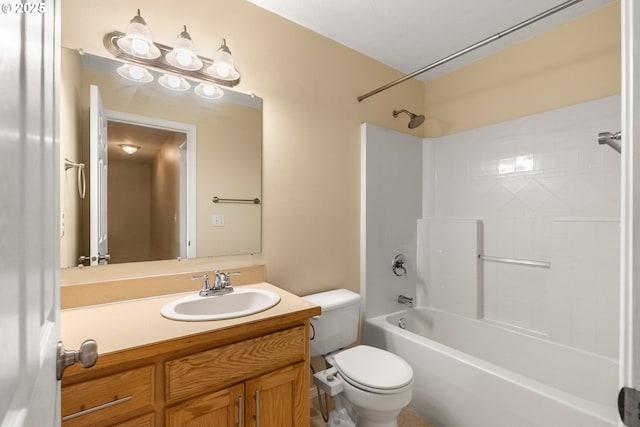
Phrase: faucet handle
(223, 280)
(205, 283)
(204, 277)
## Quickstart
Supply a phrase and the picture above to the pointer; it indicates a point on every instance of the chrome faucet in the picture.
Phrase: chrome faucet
(221, 283)
(405, 300)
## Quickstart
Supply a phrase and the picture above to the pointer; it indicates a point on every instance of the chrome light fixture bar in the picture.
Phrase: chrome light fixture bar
(160, 63)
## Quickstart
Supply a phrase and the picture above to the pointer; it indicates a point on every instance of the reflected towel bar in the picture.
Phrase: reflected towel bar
(217, 199)
(530, 263)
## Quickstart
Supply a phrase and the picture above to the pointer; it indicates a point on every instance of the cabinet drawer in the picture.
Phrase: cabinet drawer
(220, 367)
(100, 400)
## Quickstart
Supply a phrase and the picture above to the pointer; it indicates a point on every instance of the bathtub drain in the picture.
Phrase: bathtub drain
(402, 323)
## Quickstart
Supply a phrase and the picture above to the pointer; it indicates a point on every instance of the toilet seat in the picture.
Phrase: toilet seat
(372, 369)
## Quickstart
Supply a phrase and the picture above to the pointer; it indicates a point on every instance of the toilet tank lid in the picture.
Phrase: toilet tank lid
(331, 300)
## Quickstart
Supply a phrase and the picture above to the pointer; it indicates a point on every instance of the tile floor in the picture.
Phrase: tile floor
(407, 417)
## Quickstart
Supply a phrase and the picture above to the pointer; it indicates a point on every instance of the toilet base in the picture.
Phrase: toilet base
(354, 415)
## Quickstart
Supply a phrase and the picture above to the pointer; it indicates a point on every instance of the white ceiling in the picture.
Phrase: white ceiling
(410, 34)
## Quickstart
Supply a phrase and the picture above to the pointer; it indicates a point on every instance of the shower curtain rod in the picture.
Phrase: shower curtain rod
(475, 46)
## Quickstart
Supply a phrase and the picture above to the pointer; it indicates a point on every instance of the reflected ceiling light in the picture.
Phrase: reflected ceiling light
(208, 91)
(135, 73)
(173, 82)
(222, 67)
(129, 148)
(138, 41)
(182, 55)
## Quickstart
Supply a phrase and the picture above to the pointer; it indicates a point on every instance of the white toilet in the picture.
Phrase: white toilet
(369, 385)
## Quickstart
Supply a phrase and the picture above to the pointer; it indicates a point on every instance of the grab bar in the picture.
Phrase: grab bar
(527, 262)
(217, 199)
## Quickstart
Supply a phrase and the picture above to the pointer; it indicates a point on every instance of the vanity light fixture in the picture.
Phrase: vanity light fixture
(134, 73)
(136, 47)
(182, 55)
(129, 148)
(174, 82)
(137, 41)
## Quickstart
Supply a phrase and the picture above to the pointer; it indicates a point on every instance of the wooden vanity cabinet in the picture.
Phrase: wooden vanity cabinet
(274, 399)
(262, 381)
(271, 392)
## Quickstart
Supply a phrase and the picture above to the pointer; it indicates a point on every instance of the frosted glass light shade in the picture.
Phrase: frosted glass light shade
(129, 148)
(182, 55)
(173, 82)
(134, 73)
(209, 91)
(138, 41)
(222, 67)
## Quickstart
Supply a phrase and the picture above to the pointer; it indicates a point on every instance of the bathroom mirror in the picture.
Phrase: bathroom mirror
(223, 160)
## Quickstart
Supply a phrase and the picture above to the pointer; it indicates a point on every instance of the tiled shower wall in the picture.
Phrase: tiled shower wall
(544, 190)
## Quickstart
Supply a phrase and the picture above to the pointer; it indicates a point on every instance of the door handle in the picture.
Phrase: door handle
(257, 397)
(87, 356)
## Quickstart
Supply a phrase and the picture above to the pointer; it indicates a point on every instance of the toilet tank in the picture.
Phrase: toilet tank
(337, 325)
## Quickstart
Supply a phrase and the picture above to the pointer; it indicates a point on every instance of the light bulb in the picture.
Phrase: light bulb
(208, 90)
(184, 59)
(223, 70)
(136, 73)
(173, 81)
(141, 47)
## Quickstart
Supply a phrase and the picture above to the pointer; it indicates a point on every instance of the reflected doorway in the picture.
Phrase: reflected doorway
(146, 192)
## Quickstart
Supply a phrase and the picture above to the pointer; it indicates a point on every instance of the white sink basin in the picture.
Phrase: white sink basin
(240, 302)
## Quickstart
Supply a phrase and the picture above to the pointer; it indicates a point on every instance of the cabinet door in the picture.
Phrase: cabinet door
(278, 399)
(223, 408)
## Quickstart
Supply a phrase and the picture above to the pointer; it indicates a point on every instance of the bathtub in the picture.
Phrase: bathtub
(472, 373)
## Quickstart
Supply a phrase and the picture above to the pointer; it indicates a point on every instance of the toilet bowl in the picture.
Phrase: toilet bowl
(377, 383)
(368, 384)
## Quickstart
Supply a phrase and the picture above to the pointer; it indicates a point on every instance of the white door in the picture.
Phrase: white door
(29, 247)
(630, 218)
(98, 160)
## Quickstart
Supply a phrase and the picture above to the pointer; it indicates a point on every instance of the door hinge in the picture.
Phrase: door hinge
(629, 406)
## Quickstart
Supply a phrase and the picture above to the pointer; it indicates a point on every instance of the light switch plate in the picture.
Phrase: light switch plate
(218, 220)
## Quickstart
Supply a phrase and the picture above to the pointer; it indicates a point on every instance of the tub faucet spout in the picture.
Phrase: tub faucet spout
(405, 300)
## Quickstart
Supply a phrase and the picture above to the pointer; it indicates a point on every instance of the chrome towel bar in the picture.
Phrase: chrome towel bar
(217, 199)
(527, 262)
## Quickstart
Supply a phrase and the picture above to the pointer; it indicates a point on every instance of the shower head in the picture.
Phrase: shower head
(414, 120)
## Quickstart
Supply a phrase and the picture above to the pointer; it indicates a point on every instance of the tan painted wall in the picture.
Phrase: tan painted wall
(572, 63)
(311, 176)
